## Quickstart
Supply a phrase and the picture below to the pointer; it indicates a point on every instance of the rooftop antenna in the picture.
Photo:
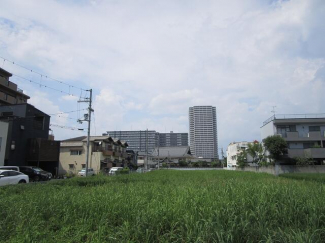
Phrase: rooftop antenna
(273, 110)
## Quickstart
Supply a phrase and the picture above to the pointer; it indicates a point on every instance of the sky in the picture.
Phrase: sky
(149, 61)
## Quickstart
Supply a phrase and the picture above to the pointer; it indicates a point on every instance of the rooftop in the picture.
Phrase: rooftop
(175, 151)
(5, 72)
(294, 116)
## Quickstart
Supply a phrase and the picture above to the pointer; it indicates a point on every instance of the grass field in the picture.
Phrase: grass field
(304, 176)
(165, 206)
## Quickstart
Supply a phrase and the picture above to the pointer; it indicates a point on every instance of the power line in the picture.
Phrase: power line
(66, 127)
(31, 81)
(66, 112)
(42, 75)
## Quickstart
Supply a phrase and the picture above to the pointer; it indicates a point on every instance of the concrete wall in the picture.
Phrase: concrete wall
(267, 130)
(3, 140)
(281, 169)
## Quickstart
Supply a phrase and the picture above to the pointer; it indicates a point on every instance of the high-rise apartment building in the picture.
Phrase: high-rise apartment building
(203, 131)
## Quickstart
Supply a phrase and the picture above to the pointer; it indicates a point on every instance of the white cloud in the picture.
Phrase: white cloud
(148, 61)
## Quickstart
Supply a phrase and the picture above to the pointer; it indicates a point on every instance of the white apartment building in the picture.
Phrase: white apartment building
(203, 131)
(233, 150)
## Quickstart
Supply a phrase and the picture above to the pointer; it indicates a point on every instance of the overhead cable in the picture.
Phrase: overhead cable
(42, 75)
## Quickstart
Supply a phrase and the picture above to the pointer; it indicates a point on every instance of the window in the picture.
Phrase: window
(13, 173)
(314, 128)
(75, 152)
(5, 173)
(38, 122)
(83, 166)
(71, 166)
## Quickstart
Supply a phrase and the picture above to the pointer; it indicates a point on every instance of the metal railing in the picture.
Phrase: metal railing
(293, 116)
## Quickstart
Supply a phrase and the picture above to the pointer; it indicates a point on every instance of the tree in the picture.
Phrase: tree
(216, 163)
(276, 146)
(256, 150)
(182, 163)
(242, 159)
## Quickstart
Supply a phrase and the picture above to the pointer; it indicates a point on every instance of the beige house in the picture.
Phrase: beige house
(104, 152)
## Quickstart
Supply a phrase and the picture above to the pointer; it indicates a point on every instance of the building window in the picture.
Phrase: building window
(314, 128)
(71, 166)
(38, 122)
(75, 152)
(83, 166)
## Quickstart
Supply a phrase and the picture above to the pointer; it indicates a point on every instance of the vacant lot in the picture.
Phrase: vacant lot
(165, 206)
(307, 177)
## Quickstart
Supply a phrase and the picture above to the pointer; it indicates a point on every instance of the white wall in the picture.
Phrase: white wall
(267, 130)
(3, 140)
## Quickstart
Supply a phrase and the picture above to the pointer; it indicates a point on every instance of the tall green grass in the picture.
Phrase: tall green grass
(165, 206)
(318, 177)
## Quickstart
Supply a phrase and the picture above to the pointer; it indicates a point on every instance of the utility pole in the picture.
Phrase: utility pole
(223, 158)
(87, 118)
(158, 151)
(146, 150)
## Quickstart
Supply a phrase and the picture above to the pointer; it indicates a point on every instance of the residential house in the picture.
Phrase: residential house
(305, 134)
(105, 152)
(3, 140)
(27, 138)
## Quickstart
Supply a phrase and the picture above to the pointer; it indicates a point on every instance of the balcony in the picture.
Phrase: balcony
(294, 136)
(117, 154)
(316, 153)
(107, 152)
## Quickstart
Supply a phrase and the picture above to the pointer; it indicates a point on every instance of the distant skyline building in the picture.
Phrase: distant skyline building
(203, 131)
(137, 140)
(172, 139)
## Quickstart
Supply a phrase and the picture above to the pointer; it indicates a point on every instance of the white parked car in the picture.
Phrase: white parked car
(114, 170)
(8, 167)
(9, 177)
(83, 172)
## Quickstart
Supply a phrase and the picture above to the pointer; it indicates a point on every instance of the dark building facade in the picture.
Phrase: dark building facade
(10, 94)
(172, 139)
(27, 140)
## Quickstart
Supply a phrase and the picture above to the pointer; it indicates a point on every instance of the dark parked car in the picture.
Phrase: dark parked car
(35, 173)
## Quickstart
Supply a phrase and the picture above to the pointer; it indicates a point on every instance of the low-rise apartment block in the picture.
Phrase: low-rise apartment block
(104, 152)
(10, 94)
(305, 134)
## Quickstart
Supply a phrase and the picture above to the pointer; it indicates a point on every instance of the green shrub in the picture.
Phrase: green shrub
(125, 170)
(182, 163)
